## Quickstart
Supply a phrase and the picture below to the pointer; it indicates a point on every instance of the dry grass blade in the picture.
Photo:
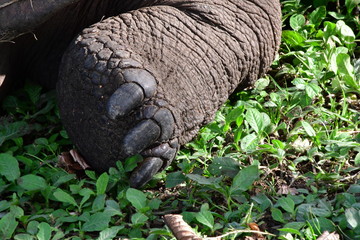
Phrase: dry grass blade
(180, 229)
(4, 3)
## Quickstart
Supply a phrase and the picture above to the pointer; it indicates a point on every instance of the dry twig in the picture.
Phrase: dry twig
(182, 231)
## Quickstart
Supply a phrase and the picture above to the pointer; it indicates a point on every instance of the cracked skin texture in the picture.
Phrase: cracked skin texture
(196, 52)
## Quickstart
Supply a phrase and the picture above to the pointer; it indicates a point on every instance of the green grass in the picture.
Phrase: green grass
(284, 155)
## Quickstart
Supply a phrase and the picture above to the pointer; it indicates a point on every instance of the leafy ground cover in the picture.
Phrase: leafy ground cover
(282, 157)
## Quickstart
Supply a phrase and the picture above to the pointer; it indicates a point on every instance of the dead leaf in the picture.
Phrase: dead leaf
(79, 159)
(329, 236)
(255, 227)
(72, 162)
(285, 189)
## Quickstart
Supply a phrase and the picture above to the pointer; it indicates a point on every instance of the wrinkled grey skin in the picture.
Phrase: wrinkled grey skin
(147, 75)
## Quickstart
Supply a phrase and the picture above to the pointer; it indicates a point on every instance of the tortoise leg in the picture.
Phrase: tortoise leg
(147, 80)
(116, 110)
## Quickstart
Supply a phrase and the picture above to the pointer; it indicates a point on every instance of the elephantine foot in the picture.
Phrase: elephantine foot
(152, 134)
(121, 98)
(144, 82)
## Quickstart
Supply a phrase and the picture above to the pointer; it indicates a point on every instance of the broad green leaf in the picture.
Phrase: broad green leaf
(136, 198)
(295, 225)
(59, 235)
(16, 211)
(64, 197)
(321, 212)
(97, 222)
(263, 201)
(8, 225)
(344, 65)
(91, 174)
(139, 218)
(346, 69)
(131, 162)
(261, 84)
(290, 230)
(64, 179)
(23, 236)
(98, 203)
(102, 183)
(258, 121)
(32, 182)
(86, 194)
(154, 203)
(224, 166)
(299, 83)
(297, 21)
(312, 90)
(277, 215)
(321, 225)
(287, 204)
(245, 178)
(4, 205)
(174, 179)
(202, 180)
(308, 129)
(276, 98)
(41, 141)
(333, 63)
(352, 217)
(205, 217)
(337, 15)
(9, 167)
(249, 142)
(113, 208)
(345, 32)
(32, 227)
(12, 130)
(293, 38)
(44, 231)
(354, 188)
(278, 144)
(329, 30)
(317, 16)
(233, 116)
(85, 217)
(109, 233)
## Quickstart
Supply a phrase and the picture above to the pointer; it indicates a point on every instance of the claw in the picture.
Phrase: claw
(166, 122)
(164, 151)
(141, 136)
(124, 99)
(145, 172)
(143, 78)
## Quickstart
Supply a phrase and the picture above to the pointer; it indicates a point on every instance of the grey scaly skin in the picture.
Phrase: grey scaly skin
(145, 81)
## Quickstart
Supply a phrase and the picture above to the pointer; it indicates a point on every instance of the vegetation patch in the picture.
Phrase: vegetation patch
(280, 160)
